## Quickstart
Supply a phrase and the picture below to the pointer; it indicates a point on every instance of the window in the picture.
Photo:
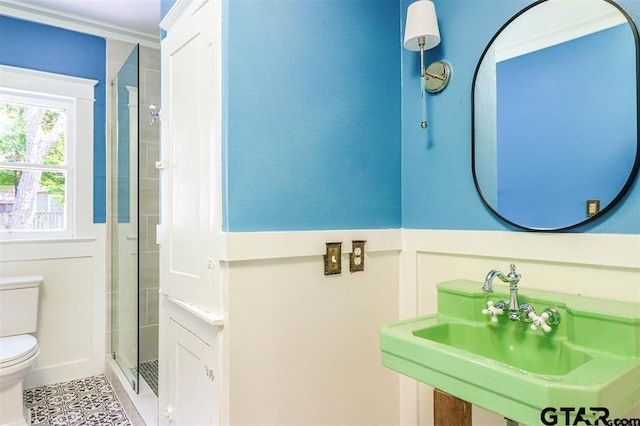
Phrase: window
(36, 163)
(46, 140)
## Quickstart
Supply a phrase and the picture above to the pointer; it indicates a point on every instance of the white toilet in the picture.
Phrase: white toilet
(18, 350)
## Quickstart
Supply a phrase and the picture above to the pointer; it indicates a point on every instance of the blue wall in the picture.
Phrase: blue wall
(438, 188)
(543, 183)
(44, 48)
(165, 7)
(311, 88)
(312, 92)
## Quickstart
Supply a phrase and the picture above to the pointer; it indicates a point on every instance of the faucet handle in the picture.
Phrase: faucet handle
(549, 317)
(540, 321)
(494, 311)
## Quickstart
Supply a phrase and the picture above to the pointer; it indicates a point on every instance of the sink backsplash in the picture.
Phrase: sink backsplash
(589, 322)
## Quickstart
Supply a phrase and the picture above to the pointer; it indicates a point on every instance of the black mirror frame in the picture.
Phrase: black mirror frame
(636, 165)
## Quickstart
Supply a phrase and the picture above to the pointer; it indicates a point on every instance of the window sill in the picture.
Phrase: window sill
(52, 240)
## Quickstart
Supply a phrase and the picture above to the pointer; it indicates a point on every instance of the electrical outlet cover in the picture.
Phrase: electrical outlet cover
(356, 263)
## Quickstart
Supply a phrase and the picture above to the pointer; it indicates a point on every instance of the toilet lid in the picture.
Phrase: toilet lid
(14, 349)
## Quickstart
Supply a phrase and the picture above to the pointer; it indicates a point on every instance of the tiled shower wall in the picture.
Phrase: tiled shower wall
(149, 207)
(149, 192)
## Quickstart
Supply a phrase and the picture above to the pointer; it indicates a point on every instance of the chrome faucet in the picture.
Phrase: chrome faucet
(517, 312)
(512, 278)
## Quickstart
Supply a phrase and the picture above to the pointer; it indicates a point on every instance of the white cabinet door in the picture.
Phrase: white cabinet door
(191, 399)
(190, 180)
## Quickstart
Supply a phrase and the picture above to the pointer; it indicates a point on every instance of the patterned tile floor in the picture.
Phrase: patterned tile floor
(149, 372)
(90, 401)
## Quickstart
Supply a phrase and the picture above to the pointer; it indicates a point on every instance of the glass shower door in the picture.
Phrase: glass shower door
(124, 228)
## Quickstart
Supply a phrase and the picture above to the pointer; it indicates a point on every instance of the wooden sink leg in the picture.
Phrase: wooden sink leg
(449, 410)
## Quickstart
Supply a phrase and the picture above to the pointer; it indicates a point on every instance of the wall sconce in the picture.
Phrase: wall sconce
(422, 33)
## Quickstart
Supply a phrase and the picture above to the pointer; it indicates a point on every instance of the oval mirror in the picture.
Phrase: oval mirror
(555, 114)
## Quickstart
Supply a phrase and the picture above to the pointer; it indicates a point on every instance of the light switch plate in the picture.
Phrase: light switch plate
(332, 263)
(593, 207)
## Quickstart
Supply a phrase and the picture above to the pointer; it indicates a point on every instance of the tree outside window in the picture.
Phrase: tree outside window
(33, 164)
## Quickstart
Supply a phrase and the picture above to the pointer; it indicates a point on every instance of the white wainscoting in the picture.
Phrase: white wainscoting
(301, 347)
(318, 334)
(591, 265)
(294, 338)
(71, 312)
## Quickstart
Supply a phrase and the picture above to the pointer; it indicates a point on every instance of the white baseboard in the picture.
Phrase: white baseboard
(64, 372)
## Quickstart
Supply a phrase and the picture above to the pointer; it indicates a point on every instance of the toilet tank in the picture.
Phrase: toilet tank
(19, 304)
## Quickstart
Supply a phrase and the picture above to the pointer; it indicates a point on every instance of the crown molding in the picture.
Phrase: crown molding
(179, 8)
(15, 9)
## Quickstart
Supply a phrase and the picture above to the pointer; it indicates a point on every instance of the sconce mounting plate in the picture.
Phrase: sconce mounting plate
(436, 76)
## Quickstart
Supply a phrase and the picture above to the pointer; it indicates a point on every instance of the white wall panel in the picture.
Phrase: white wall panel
(303, 347)
(71, 311)
(591, 265)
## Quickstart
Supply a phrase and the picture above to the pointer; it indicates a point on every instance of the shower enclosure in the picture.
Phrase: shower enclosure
(134, 212)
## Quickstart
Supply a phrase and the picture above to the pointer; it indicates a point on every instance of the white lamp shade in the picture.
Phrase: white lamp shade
(421, 22)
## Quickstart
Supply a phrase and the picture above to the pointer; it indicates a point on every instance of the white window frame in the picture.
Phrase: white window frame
(69, 108)
(76, 95)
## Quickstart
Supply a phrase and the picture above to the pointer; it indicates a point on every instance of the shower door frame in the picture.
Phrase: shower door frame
(125, 336)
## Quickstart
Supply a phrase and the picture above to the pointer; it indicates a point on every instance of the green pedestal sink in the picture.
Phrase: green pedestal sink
(591, 359)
